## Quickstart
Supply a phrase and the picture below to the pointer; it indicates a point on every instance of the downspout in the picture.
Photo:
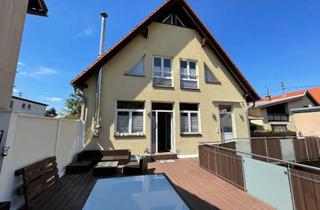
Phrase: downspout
(248, 95)
(97, 119)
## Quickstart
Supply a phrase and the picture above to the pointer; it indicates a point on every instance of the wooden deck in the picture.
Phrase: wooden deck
(198, 188)
(203, 190)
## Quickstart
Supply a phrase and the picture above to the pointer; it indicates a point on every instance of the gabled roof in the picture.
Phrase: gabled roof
(193, 21)
(313, 94)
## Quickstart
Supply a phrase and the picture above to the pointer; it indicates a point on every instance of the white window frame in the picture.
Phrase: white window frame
(189, 112)
(188, 73)
(162, 71)
(130, 133)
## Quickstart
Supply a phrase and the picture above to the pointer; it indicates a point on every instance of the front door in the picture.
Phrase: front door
(161, 140)
(226, 122)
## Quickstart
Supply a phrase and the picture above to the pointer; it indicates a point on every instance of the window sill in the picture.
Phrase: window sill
(190, 89)
(126, 136)
(191, 134)
(213, 83)
(163, 87)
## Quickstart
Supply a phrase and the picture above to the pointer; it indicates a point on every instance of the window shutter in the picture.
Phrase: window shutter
(123, 122)
(184, 123)
(194, 123)
(137, 122)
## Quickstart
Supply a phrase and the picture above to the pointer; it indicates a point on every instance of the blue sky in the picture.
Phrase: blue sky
(269, 40)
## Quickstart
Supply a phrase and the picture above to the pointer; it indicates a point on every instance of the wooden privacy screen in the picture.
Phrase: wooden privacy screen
(38, 178)
(306, 190)
(227, 165)
(307, 149)
(269, 147)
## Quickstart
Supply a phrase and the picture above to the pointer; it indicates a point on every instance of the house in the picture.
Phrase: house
(166, 86)
(273, 113)
(12, 16)
(27, 106)
(302, 118)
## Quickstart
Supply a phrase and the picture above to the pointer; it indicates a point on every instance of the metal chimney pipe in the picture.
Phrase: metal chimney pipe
(97, 119)
(104, 16)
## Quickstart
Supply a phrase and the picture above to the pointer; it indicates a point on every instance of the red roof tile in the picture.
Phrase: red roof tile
(313, 93)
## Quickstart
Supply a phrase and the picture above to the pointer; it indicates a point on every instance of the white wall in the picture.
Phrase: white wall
(35, 108)
(33, 138)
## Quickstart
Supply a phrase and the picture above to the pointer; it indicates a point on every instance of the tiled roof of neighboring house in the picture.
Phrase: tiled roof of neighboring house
(313, 94)
(28, 100)
(199, 26)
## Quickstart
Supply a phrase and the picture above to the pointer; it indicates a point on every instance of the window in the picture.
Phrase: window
(130, 118)
(137, 69)
(23, 106)
(277, 113)
(188, 74)
(29, 106)
(279, 128)
(162, 72)
(209, 76)
(11, 104)
(189, 119)
(173, 20)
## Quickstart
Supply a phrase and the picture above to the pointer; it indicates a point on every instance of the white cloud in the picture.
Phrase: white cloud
(21, 64)
(55, 99)
(15, 90)
(85, 32)
(41, 72)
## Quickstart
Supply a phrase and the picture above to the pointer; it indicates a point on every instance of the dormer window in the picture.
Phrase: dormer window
(173, 20)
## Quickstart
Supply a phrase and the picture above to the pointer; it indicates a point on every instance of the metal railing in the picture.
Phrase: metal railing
(278, 117)
(303, 180)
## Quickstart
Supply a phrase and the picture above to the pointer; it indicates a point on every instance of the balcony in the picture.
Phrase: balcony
(278, 117)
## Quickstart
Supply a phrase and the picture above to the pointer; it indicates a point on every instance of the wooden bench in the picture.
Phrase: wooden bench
(38, 179)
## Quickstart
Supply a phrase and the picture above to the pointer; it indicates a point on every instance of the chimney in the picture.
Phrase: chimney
(104, 16)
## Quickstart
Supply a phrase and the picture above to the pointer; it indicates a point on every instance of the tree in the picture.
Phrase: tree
(73, 105)
(51, 112)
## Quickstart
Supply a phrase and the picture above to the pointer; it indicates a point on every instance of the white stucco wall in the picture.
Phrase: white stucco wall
(35, 108)
(33, 138)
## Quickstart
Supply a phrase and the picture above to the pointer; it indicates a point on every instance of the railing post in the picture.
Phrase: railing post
(306, 146)
(243, 174)
(266, 145)
(215, 160)
(317, 138)
(290, 185)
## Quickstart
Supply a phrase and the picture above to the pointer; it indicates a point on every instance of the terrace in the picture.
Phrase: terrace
(197, 187)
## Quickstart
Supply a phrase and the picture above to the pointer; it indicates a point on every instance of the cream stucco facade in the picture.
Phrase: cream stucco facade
(12, 16)
(176, 43)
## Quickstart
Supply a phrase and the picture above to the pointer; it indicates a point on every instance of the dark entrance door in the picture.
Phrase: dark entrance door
(164, 131)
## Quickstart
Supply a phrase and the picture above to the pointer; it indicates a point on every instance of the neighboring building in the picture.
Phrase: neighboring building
(273, 113)
(307, 121)
(166, 86)
(27, 106)
(12, 16)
